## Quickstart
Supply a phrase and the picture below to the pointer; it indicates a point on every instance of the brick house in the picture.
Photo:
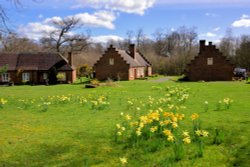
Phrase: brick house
(36, 68)
(122, 65)
(209, 65)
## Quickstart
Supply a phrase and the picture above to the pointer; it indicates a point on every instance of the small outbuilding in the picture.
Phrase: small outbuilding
(122, 65)
(209, 65)
(37, 68)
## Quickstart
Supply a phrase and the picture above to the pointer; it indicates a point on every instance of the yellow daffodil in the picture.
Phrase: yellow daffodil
(138, 132)
(186, 140)
(174, 125)
(166, 122)
(124, 160)
(185, 134)
(167, 132)
(194, 116)
(118, 126)
(171, 138)
(153, 129)
(128, 117)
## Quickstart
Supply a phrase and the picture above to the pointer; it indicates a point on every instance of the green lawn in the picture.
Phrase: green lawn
(68, 133)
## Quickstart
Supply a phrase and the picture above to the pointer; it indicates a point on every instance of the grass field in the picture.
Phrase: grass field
(63, 126)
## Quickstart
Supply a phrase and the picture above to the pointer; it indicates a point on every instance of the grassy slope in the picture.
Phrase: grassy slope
(72, 135)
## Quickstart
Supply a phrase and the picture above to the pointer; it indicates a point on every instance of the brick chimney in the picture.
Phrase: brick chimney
(70, 59)
(132, 50)
(210, 43)
(202, 44)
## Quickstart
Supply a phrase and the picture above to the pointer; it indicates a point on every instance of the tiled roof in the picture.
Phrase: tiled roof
(33, 61)
(10, 60)
(139, 60)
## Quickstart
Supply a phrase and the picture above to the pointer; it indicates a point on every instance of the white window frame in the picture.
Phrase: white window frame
(25, 76)
(5, 77)
(210, 61)
(111, 61)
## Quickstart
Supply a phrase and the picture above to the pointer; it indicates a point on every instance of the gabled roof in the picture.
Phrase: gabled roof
(138, 61)
(132, 62)
(34, 61)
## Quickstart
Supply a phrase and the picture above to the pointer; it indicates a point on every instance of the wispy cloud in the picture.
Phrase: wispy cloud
(216, 29)
(208, 34)
(211, 14)
(106, 38)
(128, 6)
(244, 21)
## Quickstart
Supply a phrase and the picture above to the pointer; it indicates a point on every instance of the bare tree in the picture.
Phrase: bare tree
(243, 52)
(63, 38)
(228, 44)
(13, 43)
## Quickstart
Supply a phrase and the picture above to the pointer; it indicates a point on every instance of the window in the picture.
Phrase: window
(210, 61)
(5, 77)
(26, 77)
(111, 61)
(61, 76)
(45, 76)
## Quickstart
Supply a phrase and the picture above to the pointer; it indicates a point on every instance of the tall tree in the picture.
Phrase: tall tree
(243, 53)
(228, 43)
(63, 39)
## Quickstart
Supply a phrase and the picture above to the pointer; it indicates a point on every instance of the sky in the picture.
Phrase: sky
(111, 19)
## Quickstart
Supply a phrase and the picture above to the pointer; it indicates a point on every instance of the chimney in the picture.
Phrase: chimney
(70, 58)
(202, 44)
(210, 43)
(132, 50)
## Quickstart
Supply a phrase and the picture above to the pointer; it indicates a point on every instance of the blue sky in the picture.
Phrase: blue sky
(111, 19)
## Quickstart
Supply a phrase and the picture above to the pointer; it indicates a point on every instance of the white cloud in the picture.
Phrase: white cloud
(40, 16)
(98, 19)
(208, 34)
(36, 30)
(128, 6)
(211, 14)
(244, 21)
(52, 19)
(216, 29)
(106, 38)
(225, 2)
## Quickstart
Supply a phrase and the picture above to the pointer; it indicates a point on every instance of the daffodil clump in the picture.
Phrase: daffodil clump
(2, 102)
(227, 102)
(44, 106)
(26, 103)
(162, 125)
(100, 103)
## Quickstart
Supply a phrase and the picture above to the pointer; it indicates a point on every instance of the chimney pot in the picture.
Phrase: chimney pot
(132, 50)
(70, 58)
(202, 45)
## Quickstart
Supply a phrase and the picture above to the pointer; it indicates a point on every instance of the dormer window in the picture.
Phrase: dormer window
(111, 61)
(210, 61)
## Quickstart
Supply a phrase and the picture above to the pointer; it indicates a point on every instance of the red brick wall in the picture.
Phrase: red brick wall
(104, 70)
(198, 69)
